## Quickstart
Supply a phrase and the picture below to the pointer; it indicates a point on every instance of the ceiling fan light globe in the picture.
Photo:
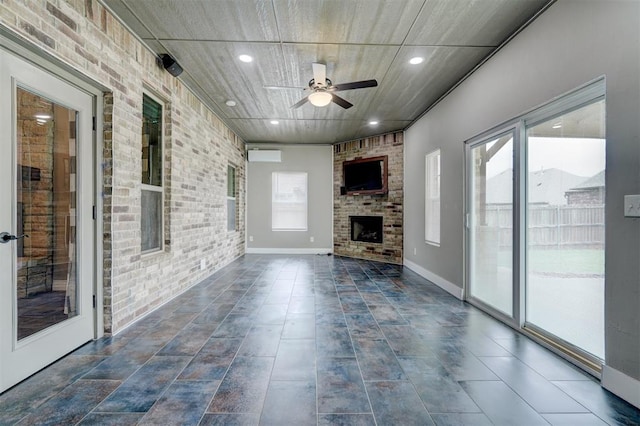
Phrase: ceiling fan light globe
(320, 99)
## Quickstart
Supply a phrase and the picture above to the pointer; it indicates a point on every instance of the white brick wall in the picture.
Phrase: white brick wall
(84, 35)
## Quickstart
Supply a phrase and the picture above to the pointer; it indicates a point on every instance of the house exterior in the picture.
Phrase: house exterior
(589, 192)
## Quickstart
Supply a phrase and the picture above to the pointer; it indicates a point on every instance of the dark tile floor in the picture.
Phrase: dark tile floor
(39, 311)
(297, 340)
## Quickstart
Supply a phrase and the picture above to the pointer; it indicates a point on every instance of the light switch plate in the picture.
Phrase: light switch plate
(632, 205)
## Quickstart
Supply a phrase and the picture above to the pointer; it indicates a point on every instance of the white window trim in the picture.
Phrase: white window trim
(428, 199)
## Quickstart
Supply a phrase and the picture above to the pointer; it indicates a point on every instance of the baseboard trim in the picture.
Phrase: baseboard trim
(624, 386)
(288, 250)
(447, 286)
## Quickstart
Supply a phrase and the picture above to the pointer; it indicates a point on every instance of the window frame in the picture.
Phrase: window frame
(429, 199)
(155, 188)
(306, 201)
(234, 198)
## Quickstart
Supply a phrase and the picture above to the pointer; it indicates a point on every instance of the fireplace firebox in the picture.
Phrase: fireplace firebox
(367, 229)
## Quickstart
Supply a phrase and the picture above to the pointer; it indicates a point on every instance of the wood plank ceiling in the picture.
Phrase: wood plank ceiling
(356, 39)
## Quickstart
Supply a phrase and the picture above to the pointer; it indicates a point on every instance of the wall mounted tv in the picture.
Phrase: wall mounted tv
(365, 176)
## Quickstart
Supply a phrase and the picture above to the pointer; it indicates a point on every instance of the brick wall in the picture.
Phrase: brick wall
(198, 147)
(389, 206)
(35, 190)
(591, 196)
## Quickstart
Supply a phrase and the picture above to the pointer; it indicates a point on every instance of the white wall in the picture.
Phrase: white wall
(570, 44)
(317, 161)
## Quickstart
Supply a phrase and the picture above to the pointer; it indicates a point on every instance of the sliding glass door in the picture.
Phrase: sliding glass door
(565, 227)
(490, 222)
(535, 223)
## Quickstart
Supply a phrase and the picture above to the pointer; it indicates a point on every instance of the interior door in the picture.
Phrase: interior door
(46, 219)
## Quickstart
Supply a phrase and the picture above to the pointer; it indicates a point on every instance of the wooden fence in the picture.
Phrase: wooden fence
(549, 226)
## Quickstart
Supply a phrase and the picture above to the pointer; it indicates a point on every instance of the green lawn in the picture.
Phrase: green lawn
(562, 261)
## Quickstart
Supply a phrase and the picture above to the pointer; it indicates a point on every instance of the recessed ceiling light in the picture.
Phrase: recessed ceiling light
(373, 123)
(274, 122)
(245, 58)
(416, 60)
(231, 103)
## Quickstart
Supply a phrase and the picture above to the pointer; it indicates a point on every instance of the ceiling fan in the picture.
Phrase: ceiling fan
(323, 90)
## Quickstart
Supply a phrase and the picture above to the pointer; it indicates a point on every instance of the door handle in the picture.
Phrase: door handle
(5, 237)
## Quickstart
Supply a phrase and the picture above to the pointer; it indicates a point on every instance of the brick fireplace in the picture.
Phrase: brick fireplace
(378, 217)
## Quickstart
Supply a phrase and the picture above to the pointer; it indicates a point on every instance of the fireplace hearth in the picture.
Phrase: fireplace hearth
(367, 229)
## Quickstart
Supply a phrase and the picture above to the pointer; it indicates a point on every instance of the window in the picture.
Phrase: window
(152, 195)
(288, 201)
(231, 198)
(432, 198)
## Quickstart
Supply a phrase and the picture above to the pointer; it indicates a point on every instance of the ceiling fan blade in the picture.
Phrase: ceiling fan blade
(342, 102)
(284, 87)
(300, 102)
(319, 73)
(354, 85)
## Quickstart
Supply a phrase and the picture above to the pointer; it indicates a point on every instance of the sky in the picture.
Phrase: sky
(582, 157)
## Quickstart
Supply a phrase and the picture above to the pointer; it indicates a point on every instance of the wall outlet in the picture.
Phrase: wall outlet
(203, 264)
(632, 205)
(415, 251)
(311, 239)
(250, 237)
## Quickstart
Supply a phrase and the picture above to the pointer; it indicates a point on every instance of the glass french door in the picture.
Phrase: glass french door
(46, 225)
(535, 223)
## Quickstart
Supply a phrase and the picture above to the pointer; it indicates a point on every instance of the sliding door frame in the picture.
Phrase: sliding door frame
(516, 319)
(589, 93)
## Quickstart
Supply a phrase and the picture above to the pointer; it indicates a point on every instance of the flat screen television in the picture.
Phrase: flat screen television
(365, 176)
